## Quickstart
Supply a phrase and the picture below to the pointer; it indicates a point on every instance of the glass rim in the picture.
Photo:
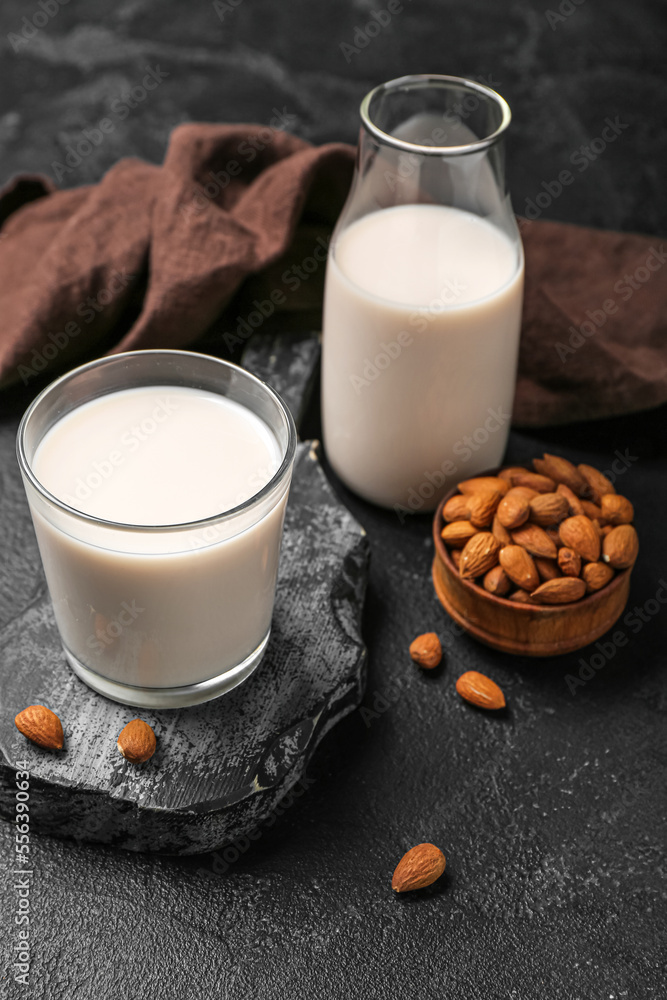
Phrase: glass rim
(215, 519)
(435, 80)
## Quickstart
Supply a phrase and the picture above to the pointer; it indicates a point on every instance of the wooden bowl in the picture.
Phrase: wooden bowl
(526, 629)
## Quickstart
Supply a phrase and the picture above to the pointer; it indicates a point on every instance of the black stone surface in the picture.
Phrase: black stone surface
(553, 816)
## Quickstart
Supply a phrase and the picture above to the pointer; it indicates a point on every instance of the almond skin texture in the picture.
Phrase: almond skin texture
(562, 591)
(479, 555)
(513, 510)
(574, 503)
(480, 690)
(497, 582)
(500, 533)
(41, 726)
(520, 568)
(535, 540)
(534, 481)
(615, 509)
(426, 650)
(579, 533)
(483, 483)
(456, 508)
(548, 569)
(598, 484)
(562, 471)
(457, 533)
(569, 561)
(421, 866)
(482, 507)
(137, 742)
(596, 576)
(548, 509)
(620, 547)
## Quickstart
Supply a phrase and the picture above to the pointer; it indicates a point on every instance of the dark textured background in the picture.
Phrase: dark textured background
(552, 817)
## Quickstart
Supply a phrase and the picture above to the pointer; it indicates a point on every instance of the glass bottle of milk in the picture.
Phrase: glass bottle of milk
(423, 297)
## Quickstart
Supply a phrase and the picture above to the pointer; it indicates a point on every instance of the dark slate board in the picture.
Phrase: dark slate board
(220, 768)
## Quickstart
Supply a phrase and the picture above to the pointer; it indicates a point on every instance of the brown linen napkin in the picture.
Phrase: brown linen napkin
(151, 257)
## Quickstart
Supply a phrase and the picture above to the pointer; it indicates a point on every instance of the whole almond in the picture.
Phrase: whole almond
(456, 508)
(500, 533)
(513, 510)
(426, 650)
(421, 866)
(562, 471)
(41, 726)
(519, 566)
(496, 581)
(457, 533)
(520, 596)
(569, 561)
(598, 484)
(137, 742)
(620, 547)
(482, 507)
(480, 690)
(479, 555)
(548, 508)
(483, 483)
(579, 533)
(534, 481)
(535, 540)
(547, 568)
(596, 576)
(564, 590)
(573, 501)
(615, 509)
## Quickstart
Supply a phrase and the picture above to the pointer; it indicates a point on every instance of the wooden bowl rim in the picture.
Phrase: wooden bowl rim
(479, 592)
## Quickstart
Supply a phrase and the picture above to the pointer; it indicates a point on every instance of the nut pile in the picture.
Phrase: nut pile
(550, 535)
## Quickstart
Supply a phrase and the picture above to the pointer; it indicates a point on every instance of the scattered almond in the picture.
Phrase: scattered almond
(41, 726)
(496, 581)
(569, 561)
(457, 533)
(479, 555)
(535, 540)
(421, 866)
(519, 566)
(620, 547)
(480, 690)
(426, 650)
(616, 509)
(137, 742)
(561, 591)
(579, 533)
(596, 576)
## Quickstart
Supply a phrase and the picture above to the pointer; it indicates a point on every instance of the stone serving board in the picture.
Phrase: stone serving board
(220, 768)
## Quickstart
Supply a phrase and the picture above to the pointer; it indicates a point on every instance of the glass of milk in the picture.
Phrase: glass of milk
(157, 483)
(423, 296)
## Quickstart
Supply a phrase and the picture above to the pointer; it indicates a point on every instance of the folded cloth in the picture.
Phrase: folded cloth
(151, 256)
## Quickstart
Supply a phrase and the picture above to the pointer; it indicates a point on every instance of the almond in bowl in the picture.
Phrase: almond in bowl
(535, 561)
